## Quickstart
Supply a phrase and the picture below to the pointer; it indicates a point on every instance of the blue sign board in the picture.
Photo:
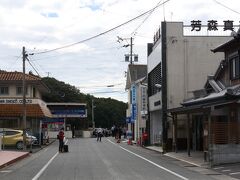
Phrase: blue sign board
(133, 113)
(53, 120)
(133, 89)
(68, 111)
(128, 119)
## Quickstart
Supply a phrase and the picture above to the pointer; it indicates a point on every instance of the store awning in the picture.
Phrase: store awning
(16, 110)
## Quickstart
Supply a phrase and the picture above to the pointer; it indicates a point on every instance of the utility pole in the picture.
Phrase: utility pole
(24, 99)
(93, 123)
(129, 57)
(131, 47)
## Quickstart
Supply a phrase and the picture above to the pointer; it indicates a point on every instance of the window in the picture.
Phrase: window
(34, 92)
(3, 90)
(154, 77)
(11, 133)
(19, 90)
(235, 69)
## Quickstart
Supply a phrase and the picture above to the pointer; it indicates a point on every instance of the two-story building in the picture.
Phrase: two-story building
(178, 64)
(11, 101)
(213, 114)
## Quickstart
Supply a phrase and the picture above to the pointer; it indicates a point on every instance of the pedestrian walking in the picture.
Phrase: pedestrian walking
(60, 138)
(99, 134)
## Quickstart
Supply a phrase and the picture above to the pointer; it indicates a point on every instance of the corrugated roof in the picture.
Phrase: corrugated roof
(226, 46)
(16, 110)
(17, 76)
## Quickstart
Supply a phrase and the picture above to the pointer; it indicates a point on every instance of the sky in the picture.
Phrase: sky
(96, 66)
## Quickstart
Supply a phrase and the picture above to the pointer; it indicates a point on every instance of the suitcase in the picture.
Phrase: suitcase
(65, 148)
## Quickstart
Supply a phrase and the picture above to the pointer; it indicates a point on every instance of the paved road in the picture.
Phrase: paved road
(106, 160)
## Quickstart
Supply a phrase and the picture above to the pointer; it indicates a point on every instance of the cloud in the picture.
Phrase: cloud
(50, 15)
(44, 25)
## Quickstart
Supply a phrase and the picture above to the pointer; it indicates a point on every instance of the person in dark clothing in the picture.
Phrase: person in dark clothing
(60, 138)
(73, 131)
(99, 134)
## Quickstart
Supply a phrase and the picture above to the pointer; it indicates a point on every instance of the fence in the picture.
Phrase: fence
(226, 132)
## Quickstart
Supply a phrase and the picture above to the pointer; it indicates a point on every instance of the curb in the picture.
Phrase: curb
(14, 160)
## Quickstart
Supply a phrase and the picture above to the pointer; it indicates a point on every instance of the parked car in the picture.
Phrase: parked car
(11, 137)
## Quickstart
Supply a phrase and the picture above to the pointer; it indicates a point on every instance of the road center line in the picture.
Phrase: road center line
(44, 168)
(153, 163)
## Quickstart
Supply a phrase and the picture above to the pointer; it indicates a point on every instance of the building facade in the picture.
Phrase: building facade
(216, 109)
(11, 101)
(137, 100)
(178, 64)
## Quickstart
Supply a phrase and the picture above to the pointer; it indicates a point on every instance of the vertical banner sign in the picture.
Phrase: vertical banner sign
(144, 100)
(134, 106)
(133, 89)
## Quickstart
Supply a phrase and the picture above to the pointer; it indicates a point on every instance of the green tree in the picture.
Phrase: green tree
(107, 111)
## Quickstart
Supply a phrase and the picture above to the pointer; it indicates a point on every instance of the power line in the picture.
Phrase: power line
(226, 7)
(33, 67)
(150, 13)
(96, 86)
(98, 51)
(107, 92)
(100, 34)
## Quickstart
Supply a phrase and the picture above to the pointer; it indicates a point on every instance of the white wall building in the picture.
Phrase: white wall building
(180, 64)
(137, 99)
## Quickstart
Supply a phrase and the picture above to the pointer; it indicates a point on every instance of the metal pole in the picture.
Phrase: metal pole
(131, 50)
(24, 100)
(93, 123)
(188, 134)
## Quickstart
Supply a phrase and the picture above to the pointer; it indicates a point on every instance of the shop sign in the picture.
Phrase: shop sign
(133, 90)
(15, 101)
(212, 25)
(133, 113)
(128, 119)
(144, 99)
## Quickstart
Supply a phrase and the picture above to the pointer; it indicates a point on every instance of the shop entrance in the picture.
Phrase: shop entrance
(197, 133)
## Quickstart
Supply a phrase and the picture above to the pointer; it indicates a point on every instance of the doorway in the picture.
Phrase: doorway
(197, 133)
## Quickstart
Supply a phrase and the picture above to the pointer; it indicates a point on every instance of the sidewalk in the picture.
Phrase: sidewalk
(9, 157)
(196, 158)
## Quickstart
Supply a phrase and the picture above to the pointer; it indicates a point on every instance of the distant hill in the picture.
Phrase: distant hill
(107, 112)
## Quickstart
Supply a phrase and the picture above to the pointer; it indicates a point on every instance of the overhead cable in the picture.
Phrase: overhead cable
(100, 34)
(226, 7)
(150, 13)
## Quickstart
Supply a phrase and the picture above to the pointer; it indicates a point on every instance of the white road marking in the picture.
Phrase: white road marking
(234, 173)
(6, 171)
(218, 168)
(155, 164)
(226, 170)
(44, 168)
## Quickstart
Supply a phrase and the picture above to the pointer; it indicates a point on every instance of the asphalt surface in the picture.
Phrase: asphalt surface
(88, 159)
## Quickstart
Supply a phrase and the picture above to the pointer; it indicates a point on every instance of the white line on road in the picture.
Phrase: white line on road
(226, 170)
(234, 173)
(218, 168)
(161, 167)
(6, 171)
(46, 165)
(44, 168)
